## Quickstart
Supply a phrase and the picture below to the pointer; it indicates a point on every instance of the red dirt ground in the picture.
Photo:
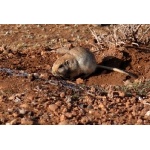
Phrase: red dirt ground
(31, 95)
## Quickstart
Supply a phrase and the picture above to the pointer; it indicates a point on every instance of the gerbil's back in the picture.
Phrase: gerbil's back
(85, 59)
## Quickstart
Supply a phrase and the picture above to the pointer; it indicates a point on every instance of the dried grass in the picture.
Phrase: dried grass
(122, 35)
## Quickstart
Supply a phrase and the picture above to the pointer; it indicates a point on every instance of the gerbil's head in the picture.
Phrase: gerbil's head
(64, 66)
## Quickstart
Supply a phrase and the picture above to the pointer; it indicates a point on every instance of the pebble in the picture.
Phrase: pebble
(12, 97)
(89, 107)
(140, 98)
(58, 103)
(24, 105)
(43, 53)
(68, 99)
(30, 97)
(62, 118)
(62, 94)
(68, 115)
(22, 111)
(15, 114)
(1, 98)
(121, 94)
(13, 122)
(17, 99)
(8, 123)
(91, 111)
(53, 107)
(26, 121)
(10, 110)
(84, 120)
(47, 67)
(44, 76)
(65, 122)
(10, 55)
(101, 106)
(79, 81)
(33, 76)
(96, 114)
(93, 89)
(139, 121)
(127, 104)
(147, 113)
(64, 110)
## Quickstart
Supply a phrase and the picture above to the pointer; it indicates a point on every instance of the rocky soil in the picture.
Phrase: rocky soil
(31, 95)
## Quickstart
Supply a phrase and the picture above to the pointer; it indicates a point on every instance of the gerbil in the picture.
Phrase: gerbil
(78, 61)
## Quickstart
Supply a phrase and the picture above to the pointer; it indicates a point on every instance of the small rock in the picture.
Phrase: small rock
(139, 121)
(100, 97)
(43, 53)
(128, 83)
(58, 103)
(64, 110)
(26, 121)
(13, 122)
(147, 113)
(89, 107)
(24, 106)
(62, 118)
(101, 106)
(8, 123)
(84, 120)
(44, 76)
(15, 114)
(68, 99)
(140, 98)
(121, 94)
(33, 56)
(62, 94)
(65, 122)
(118, 100)
(74, 113)
(10, 55)
(20, 94)
(96, 114)
(22, 111)
(10, 110)
(110, 94)
(79, 81)
(91, 111)
(93, 89)
(33, 76)
(133, 113)
(30, 97)
(81, 106)
(127, 104)
(1, 98)
(17, 99)
(12, 97)
(68, 115)
(53, 107)
(47, 67)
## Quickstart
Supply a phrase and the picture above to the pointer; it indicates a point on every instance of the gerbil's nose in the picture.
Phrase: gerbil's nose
(53, 72)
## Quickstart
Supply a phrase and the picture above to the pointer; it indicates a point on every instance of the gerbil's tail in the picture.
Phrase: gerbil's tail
(118, 70)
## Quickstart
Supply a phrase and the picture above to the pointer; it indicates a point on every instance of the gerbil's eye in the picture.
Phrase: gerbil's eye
(60, 66)
(67, 62)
